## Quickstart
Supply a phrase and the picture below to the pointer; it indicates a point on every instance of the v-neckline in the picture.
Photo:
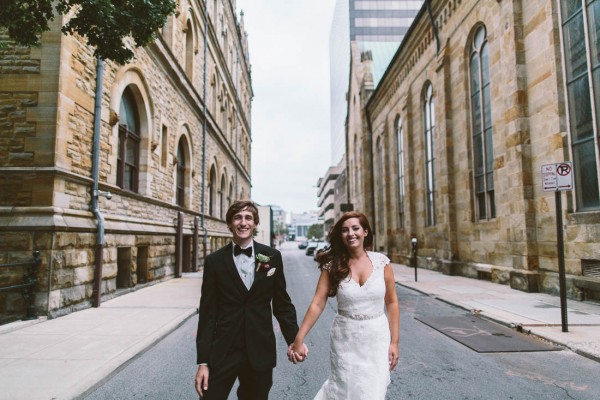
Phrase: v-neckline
(370, 275)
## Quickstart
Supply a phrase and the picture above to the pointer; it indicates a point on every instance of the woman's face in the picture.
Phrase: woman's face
(353, 234)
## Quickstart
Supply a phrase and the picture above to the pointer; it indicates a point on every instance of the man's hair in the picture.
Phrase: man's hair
(241, 205)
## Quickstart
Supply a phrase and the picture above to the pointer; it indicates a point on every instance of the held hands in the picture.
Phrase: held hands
(297, 352)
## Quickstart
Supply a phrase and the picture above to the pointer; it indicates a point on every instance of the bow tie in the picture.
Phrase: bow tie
(237, 250)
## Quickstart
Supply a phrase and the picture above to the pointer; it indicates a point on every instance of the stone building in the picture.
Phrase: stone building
(173, 151)
(479, 96)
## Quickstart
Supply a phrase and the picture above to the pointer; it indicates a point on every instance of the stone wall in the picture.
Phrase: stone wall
(518, 245)
(46, 145)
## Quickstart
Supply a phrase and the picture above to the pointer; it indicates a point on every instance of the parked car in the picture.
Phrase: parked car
(303, 244)
(320, 246)
(310, 248)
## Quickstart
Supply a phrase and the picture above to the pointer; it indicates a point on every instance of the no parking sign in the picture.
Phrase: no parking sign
(557, 176)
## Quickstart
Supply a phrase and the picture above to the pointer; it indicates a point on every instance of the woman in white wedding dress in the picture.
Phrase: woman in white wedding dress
(364, 341)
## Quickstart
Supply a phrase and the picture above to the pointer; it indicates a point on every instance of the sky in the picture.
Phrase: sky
(288, 42)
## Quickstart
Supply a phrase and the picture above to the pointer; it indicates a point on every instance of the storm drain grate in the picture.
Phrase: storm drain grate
(591, 268)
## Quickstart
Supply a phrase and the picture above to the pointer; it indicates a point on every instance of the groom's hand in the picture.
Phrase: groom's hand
(297, 353)
(202, 379)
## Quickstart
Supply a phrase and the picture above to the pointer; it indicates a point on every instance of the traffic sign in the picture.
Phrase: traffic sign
(557, 176)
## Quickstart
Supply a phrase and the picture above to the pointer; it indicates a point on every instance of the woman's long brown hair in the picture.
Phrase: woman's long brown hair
(336, 256)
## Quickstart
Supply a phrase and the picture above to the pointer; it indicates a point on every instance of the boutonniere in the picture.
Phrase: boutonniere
(262, 261)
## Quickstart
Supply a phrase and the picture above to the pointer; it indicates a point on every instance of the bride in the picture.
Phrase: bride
(364, 342)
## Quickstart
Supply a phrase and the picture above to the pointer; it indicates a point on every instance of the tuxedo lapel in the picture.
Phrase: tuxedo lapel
(229, 265)
(260, 273)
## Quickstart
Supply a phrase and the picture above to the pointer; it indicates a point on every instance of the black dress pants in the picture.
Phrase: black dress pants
(254, 385)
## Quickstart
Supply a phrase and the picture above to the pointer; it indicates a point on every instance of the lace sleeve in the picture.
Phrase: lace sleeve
(326, 266)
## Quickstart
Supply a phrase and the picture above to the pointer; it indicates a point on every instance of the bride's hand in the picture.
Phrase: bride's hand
(393, 356)
(297, 352)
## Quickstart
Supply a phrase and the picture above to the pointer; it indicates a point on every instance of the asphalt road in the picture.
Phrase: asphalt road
(432, 366)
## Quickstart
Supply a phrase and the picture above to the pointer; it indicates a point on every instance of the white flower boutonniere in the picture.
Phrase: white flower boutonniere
(262, 261)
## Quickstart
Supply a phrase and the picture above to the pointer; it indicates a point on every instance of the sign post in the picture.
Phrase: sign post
(556, 178)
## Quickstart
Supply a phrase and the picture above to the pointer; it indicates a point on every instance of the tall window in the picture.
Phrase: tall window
(357, 167)
(189, 49)
(222, 198)
(582, 60)
(400, 158)
(181, 167)
(212, 183)
(481, 123)
(429, 116)
(380, 194)
(128, 158)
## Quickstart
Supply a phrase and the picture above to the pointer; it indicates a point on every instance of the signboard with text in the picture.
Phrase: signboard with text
(557, 176)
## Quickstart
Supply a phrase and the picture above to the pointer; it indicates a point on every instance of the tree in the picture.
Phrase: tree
(105, 23)
(315, 231)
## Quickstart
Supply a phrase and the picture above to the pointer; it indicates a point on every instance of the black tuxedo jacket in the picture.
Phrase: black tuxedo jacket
(228, 309)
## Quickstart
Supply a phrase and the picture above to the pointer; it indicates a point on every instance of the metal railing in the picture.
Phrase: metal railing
(29, 281)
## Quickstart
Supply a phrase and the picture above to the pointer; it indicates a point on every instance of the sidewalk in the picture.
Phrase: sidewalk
(64, 357)
(537, 313)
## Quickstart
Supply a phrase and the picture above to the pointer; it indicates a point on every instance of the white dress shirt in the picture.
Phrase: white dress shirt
(245, 266)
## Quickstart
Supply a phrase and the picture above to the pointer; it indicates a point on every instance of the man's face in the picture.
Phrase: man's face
(242, 226)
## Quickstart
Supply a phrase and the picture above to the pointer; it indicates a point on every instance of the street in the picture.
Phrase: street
(432, 366)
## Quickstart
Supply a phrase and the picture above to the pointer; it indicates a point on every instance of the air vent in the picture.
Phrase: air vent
(591, 268)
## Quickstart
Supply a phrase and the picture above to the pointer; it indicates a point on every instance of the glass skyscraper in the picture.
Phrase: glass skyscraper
(376, 25)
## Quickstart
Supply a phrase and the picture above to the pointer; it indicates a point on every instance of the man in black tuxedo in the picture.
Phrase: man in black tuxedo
(235, 336)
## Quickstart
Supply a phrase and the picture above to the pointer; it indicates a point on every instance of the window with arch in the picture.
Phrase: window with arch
(189, 50)
(400, 160)
(181, 170)
(221, 196)
(481, 125)
(429, 123)
(356, 166)
(581, 38)
(128, 158)
(230, 194)
(380, 192)
(212, 183)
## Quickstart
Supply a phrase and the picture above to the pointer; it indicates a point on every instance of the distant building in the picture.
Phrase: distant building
(326, 195)
(372, 29)
(367, 22)
(300, 222)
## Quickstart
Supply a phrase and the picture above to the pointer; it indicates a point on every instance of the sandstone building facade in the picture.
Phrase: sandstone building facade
(174, 152)
(449, 147)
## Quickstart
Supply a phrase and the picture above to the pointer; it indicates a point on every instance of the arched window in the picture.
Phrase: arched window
(481, 124)
(429, 123)
(230, 196)
(128, 158)
(212, 183)
(400, 160)
(189, 50)
(357, 168)
(380, 193)
(181, 169)
(222, 195)
(581, 37)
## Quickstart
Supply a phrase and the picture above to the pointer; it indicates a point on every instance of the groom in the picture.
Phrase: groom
(235, 336)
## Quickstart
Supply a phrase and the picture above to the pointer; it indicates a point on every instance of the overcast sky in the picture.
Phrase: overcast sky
(288, 43)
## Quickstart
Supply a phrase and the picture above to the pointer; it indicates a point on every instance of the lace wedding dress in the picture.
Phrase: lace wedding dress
(360, 340)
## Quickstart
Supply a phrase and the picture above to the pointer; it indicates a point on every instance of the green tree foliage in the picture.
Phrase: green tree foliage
(315, 231)
(105, 23)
